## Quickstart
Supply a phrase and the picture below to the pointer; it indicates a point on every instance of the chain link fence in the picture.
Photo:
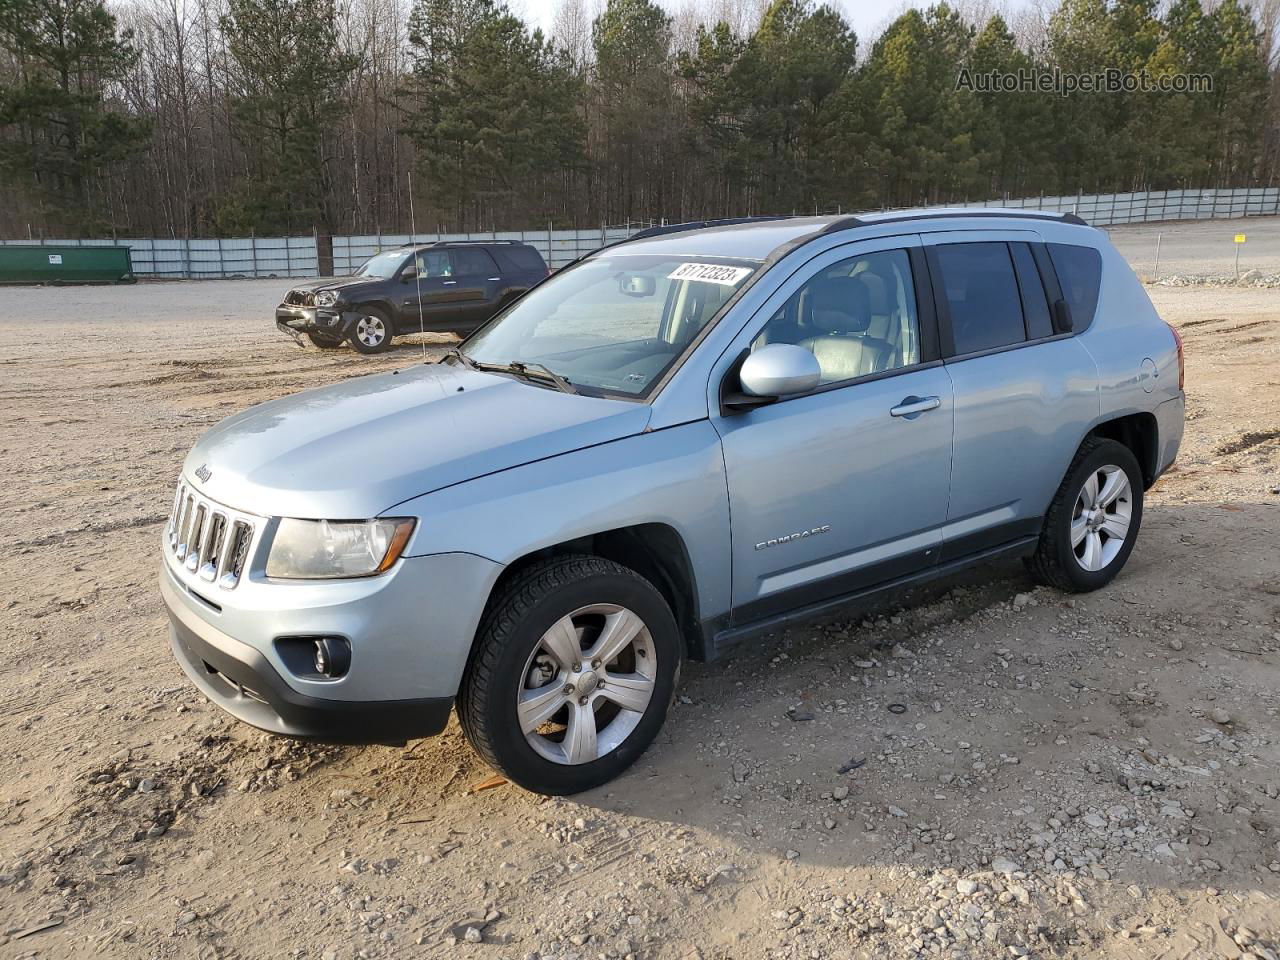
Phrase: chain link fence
(306, 256)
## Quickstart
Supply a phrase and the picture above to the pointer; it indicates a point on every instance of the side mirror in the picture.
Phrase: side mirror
(770, 373)
(779, 370)
(408, 273)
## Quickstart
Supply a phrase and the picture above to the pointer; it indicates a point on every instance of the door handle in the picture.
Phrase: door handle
(449, 283)
(912, 407)
(494, 278)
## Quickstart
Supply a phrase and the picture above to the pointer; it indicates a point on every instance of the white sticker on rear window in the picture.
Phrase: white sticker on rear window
(709, 273)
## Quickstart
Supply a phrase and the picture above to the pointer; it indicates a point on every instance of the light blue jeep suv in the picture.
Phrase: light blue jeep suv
(675, 445)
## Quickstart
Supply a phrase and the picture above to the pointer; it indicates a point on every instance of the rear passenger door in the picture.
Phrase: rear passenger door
(475, 283)
(1024, 393)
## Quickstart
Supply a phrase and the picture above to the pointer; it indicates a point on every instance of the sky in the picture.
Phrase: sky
(868, 17)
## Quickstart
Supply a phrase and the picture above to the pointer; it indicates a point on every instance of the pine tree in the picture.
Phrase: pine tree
(290, 76)
(637, 120)
(64, 131)
(493, 111)
(1015, 127)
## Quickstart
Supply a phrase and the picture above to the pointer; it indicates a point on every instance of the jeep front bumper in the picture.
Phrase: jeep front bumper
(409, 631)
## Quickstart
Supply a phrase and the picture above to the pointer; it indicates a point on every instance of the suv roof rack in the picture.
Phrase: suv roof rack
(444, 243)
(848, 223)
(699, 225)
(451, 243)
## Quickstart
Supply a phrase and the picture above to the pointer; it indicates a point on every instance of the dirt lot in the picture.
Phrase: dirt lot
(1075, 777)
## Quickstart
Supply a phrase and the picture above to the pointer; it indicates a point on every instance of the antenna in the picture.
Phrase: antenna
(417, 274)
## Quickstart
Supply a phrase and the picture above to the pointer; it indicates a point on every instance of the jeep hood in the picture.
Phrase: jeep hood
(355, 449)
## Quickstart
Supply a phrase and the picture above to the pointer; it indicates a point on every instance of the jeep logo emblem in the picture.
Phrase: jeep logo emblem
(204, 473)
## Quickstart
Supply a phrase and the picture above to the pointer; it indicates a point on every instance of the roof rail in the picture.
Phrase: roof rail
(442, 243)
(450, 243)
(848, 223)
(698, 225)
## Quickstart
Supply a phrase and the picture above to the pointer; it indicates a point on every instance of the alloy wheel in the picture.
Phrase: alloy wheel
(1100, 519)
(587, 684)
(371, 331)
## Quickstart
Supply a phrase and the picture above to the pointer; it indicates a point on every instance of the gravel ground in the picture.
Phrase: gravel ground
(1057, 777)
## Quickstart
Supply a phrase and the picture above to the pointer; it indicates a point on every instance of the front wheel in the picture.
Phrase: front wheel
(324, 342)
(574, 669)
(1093, 521)
(371, 333)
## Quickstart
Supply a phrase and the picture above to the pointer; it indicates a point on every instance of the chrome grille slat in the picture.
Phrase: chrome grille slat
(213, 539)
(184, 524)
(196, 538)
(225, 547)
(210, 541)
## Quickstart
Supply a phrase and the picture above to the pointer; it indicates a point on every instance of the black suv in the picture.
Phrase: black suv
(451, 285)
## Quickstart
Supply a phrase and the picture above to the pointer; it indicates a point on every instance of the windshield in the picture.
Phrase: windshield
(383, 265)
(614, 323)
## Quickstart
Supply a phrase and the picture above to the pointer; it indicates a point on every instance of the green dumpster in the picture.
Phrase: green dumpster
(44, 264)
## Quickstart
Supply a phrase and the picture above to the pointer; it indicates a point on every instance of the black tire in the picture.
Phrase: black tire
(323, 342)
(375, 318)
(510, 634)
(1056, 562)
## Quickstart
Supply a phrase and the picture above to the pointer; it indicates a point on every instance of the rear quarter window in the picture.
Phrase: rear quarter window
(1079, 271)
(525, 259)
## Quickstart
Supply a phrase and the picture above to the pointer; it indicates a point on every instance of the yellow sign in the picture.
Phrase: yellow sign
(1239, 238)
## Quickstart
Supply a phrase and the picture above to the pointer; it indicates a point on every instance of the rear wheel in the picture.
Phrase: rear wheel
(1093, 521)
(371, 333)
(574, 669)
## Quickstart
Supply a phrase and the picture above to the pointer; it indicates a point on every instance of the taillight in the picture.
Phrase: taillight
(1182, 358)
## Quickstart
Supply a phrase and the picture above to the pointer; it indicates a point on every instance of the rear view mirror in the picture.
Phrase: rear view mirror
(408, 273)
(636, 285)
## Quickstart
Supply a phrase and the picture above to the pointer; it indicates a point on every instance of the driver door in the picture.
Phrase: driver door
(429, 296)
(844, 487)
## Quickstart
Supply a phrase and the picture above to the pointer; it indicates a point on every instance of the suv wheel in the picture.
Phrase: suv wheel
(371, 333)
(1093, 521)
(574, 668)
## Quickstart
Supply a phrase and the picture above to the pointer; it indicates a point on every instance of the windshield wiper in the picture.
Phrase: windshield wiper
(536, 371)
(457, 354)
(527, 371)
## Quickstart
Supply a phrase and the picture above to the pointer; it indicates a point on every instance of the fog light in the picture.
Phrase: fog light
(332, 657)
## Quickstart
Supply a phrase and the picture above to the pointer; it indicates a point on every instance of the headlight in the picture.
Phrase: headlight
(326, 298)
(325, 549)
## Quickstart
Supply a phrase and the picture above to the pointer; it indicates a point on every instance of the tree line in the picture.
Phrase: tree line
(225, 117)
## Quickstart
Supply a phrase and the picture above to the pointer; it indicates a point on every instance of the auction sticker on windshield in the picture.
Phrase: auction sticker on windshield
(709, 273)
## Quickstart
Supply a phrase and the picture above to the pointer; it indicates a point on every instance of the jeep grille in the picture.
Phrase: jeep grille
(208, 540)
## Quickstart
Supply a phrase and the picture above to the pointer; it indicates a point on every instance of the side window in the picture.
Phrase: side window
(1079, 271)
(473, 263)
(1035, 305)
(858, 317)
(434, 263)
(982, 295)
(523, 258)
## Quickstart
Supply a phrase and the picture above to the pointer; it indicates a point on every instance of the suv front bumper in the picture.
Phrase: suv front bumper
(409, 631)
(243, 683)
(295, 321)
